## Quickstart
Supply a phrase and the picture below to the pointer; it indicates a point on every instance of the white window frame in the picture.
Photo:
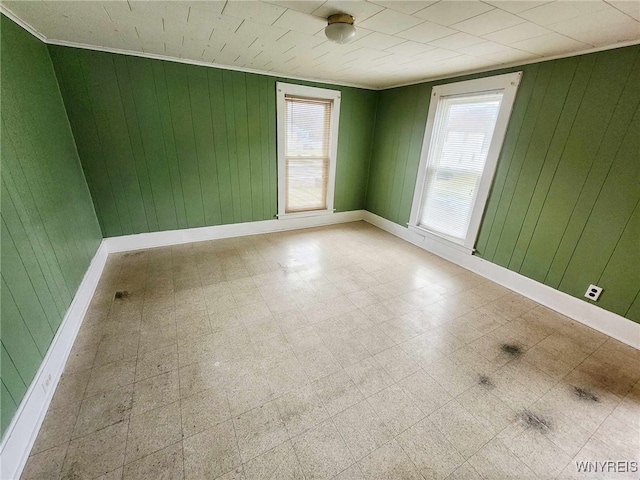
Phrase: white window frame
(283, 89)
(509, 84)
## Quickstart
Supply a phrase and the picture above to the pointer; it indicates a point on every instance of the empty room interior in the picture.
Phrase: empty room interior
(254, 240)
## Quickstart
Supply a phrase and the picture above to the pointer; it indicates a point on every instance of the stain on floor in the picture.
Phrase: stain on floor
(511, 349)
(535, 421)
(585, 395)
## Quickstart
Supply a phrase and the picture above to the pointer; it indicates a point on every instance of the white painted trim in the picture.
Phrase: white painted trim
(176, 237)
(589, 314)
(518, 63)
(23, 430)
(507, 84)
(491, 68)
(22, 23)
(283, 89)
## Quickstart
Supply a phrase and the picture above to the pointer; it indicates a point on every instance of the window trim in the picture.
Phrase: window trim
(509, 83)
(283, 89)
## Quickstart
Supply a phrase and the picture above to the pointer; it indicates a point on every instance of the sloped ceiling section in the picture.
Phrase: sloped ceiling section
(398, 42)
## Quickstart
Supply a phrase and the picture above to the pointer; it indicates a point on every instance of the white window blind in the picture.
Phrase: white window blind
(462, 134)
(307, 157)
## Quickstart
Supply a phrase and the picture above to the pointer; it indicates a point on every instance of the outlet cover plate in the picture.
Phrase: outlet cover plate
(593, 292)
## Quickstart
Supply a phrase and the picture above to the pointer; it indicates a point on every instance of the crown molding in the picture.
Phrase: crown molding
(8, 13)
(516, 64)
(167, 58)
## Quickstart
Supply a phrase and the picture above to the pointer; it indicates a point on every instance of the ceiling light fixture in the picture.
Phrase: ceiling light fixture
(340, 28)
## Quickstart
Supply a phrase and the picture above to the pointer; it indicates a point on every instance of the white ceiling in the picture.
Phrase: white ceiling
(398, 42)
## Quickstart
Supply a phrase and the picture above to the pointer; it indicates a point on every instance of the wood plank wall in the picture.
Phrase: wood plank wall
(49, 231)
(167, 146)
(563, 209)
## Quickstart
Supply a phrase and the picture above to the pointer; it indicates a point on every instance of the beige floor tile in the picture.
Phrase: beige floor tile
(322, 452)
(303, 339)
(309, 348)
(628, 410)
(70, 388)
(156, 362)
(259, 430)
(211, 453)
(153, 430)
(346, 350)
(102, 410)
(158, 336)
(155, 392)
(374, 339)
(279, 463)
(430, 451)
(584, 403)
(110, 376)
(362, 429)
(301, 410)
(352, 473)
(318, 362)
(488, 409)
(495, 460)
(165, 464)
(248, 392)
(46, 464)
(396, 363)
(337, 392)
(113, 349)
(465, 472)
(200, 376)
(421, 350)
(400, 329)
(450, 376)
(395, 408)
(290, 320)
(57, 428)
(425, 392)
(527, 439)
(465, 432)
(112, 475)
(389, 462)
(97, 453)
(204, 410)
(369, 376)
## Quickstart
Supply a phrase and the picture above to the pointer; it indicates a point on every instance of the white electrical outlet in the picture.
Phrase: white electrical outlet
(593, 292)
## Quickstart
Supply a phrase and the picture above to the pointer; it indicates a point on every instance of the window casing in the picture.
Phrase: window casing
(466, 125)
(307, 121)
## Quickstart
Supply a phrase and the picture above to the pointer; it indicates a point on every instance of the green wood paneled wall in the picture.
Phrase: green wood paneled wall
(49, 230)
(166, 145)
(563, 209)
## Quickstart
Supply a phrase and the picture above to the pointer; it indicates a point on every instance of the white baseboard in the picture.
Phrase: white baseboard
(589, 314)
(26, 423)
(23, 430)
(139, 241)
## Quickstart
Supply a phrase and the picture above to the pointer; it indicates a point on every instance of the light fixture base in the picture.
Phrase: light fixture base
(341, 18)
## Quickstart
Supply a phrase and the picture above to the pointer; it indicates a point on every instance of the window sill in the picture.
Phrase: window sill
(312, 213)
(440, 239)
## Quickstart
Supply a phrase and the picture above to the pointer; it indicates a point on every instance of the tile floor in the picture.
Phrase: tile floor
(339, 352)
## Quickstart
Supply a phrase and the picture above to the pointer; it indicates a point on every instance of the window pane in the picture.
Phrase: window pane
(307, 184)
(306, 153)
(460, 143)
(307, 127)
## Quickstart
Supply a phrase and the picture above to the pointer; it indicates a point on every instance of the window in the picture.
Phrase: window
(465, 130)
(307, 149)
